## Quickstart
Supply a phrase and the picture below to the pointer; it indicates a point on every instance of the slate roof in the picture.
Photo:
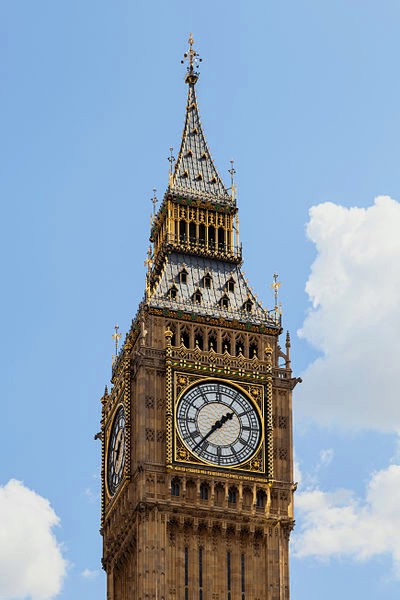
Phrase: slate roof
(197, 268)
(195, 174)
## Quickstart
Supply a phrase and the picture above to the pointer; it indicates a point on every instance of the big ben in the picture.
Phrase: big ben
(197, 453)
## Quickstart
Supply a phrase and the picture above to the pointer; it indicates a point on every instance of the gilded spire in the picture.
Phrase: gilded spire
(195, 174)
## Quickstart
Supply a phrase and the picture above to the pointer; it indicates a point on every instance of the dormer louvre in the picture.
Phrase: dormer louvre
(230, 285)
(183, 275)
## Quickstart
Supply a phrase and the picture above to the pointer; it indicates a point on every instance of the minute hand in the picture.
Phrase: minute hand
(217, 425)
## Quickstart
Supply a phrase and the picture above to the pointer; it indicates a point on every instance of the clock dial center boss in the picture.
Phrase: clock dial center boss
(218, 423)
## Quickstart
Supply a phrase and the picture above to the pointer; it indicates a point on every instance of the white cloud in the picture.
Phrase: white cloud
(31, 562)
(354, 286)
(325, 458)
(297, 474)
(90, 495)
(340, 525)
(89, 574)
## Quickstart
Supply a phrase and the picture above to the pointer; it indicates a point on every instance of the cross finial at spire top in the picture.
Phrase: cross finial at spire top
(192, 57)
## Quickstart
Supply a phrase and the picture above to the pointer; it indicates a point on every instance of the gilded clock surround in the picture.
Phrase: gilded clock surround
(175, 523)
(182, 455)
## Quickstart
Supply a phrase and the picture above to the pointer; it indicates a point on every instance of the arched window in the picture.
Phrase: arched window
(175, 487)
(204, 491)
(192, 232)
(198, 338)
(253, 348)
(260, 499)
(226, 343)
(221, 238)
(172, 328)
(212, 340)
(239, 345)
(182, 230)
(202, 234)
(185, 337)
(211, 237)
(232, 495)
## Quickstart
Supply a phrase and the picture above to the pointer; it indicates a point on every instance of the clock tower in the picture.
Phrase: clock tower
(197, 455)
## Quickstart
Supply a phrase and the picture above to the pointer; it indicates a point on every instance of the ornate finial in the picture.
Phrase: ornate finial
(275, 286)
(287, 350)
(154, 201)
(193, 59)
(171, 160)
(116, 336)
(106, 391)
(148, 263)
(232, 172)
(149, 260)
(278, 307)
(268, 352)
(168, 335)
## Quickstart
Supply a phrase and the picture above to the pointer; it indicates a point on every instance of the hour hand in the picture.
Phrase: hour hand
(217, 425)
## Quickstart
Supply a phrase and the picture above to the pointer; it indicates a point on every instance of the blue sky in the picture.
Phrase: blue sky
(305, 97)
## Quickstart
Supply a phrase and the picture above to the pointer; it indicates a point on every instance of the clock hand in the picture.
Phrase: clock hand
(217, 425)
(118, 450)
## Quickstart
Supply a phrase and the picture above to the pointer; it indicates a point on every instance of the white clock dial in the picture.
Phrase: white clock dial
(218, 423)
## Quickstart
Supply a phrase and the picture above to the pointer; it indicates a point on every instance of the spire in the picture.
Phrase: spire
(195, 174)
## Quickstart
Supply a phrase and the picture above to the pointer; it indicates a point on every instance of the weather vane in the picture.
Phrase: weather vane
(116, 336)
(193, 58)
(171, 160)
(232, 171)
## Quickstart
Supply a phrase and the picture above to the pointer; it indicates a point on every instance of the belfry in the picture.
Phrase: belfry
(197, 453)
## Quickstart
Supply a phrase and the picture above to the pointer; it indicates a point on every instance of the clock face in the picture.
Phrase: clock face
(218, 423)
(116, 452)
